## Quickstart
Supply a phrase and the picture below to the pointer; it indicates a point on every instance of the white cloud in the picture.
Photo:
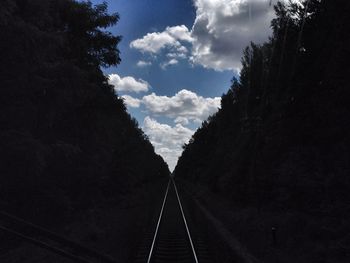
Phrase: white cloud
(131, 102)
(185, 104)
(176, 55)
(167, 140)
(223, 28)
(127, 84)
(172, 61)
(153, 42)
(171, 40)
(182, 120)
(180, 33)
(142, 63)
(156, 41)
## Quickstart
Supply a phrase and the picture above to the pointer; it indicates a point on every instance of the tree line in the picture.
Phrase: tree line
(281, 137)
(66, 139)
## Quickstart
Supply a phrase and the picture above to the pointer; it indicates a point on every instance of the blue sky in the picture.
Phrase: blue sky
(178, 57)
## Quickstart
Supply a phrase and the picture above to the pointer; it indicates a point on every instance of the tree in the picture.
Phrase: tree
(67, 141)
(279, 125)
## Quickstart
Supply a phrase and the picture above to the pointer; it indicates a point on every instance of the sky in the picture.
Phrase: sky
(178, 58)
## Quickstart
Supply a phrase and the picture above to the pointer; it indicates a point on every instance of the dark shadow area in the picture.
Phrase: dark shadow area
(275, 158)
(265, 179)
(72, 159)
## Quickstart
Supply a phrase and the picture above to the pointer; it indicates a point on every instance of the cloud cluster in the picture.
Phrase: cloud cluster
(131, 102)
(142, 63)
(172, 61)
(183, 107)
(221, 30)
(170, 38)
(167, 140)
(128, 84)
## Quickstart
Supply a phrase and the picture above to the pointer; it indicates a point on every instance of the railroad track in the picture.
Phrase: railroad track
(171, 239)
(172, 236)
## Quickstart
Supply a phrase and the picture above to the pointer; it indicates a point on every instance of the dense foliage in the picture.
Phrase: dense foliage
(66, 139)
(281, 138)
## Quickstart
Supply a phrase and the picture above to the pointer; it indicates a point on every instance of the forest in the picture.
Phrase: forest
(274, 156)
(67, 143)
(280, 141)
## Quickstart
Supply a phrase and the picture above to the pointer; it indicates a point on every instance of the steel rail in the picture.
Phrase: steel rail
(185, 222)
(158, 223)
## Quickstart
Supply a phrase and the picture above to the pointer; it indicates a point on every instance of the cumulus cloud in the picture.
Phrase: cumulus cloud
(182, 120)
(176, 55)
(184, 106)
(131, 102)
(128, 84)
(172, 61)
(153, 42)
(167, 140)
(180, 33)
(223, 28)
(143, 64)
(156, 41)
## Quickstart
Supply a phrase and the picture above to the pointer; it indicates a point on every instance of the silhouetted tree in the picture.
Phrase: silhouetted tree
(280, 138)
(66, 139)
